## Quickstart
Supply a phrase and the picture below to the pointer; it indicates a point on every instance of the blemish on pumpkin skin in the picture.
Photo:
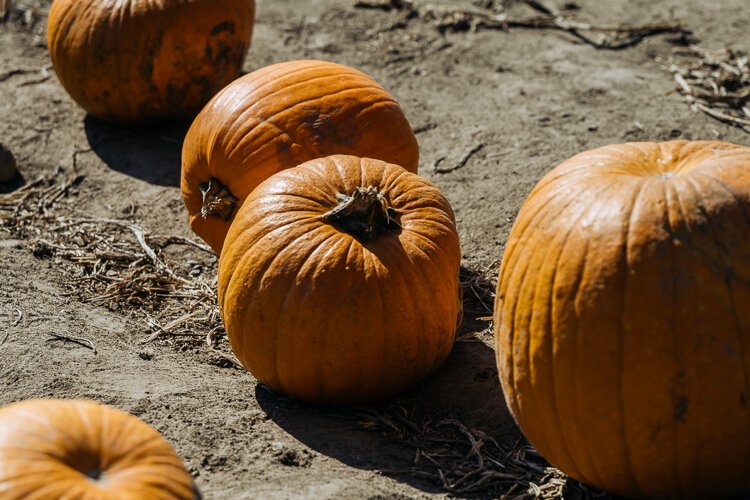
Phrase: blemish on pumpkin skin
(655, 432)
(225, 26)
(146, 69)
(681, 408)
(325, 127)
(283, 147)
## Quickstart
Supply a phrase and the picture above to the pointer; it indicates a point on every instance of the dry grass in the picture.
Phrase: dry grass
(716, 83)
(494, 15)
(114, 263)
(468, 462)
(462, 460)
(478, 293)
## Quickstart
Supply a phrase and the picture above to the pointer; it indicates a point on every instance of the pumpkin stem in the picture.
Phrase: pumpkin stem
(94, 474)
(218, 201)
(365, 214)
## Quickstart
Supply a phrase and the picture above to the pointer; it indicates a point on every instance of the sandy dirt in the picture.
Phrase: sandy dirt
(495, 109)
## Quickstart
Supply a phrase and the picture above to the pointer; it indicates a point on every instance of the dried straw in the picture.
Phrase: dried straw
(466, 461)
(495, 17)
(114, 263)
(716, 83)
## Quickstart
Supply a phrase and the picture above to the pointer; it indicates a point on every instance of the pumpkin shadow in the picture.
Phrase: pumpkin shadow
(16, 182)
(465, 388)
(150, 153)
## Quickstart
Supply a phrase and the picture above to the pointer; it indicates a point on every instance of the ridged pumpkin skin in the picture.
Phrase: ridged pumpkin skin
(282, 116)
(134, 61)
(85, 451)
(321, 315)
(623, 319)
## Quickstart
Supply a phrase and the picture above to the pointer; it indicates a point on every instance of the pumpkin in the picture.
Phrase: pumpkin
(623, 319)
(279, 117)
(83, 450)
(338, 282)
(140, 60)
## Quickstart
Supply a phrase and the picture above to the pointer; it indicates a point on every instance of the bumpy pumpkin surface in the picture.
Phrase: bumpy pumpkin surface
(623, 319)
(338, 282)
(279, 117)
(85, 451)
(140, 60)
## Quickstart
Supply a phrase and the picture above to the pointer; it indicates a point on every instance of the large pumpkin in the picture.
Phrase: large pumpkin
(623, 319)
(338, 282)
(141, 60)
(279, 117)
(82, 450)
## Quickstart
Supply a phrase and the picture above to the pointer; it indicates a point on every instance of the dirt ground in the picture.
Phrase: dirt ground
(493, 110)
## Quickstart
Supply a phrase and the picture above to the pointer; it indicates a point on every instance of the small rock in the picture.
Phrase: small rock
(291, 457)
(42, 250)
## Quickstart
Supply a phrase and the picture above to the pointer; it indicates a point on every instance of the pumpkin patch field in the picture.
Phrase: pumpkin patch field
(382, 249)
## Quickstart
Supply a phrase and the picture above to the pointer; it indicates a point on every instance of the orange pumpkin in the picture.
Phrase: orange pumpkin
(338, 282)
(141, 60)
(279, 117)
(623, 319)
(83, 450)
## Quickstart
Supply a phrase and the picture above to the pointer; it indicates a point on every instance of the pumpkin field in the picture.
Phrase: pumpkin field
(381, 249)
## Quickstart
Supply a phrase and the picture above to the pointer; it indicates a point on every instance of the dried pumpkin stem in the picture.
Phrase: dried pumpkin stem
(365, 214)
(218, 201)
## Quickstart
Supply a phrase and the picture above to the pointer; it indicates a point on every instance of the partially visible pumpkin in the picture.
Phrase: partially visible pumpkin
(8, 167)
(338, 282)
(142, 60)
(279, 117)
(83, 450)
(623, 319)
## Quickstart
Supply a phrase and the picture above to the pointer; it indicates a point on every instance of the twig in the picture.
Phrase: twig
(179, 240)
(384, 4)
(231, 358)
(463, 19)
(15, 72)
(633, 34)
(18, 319)
(34, 82)
(13, 325)
(723, 116)
(76, 340)
(463, 161)
(426, 127)
(44, 72)
(168, 327)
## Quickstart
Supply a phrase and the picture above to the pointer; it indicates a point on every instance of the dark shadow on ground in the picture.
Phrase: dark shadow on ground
(15, 183)
(464, 389)
(151, 154)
